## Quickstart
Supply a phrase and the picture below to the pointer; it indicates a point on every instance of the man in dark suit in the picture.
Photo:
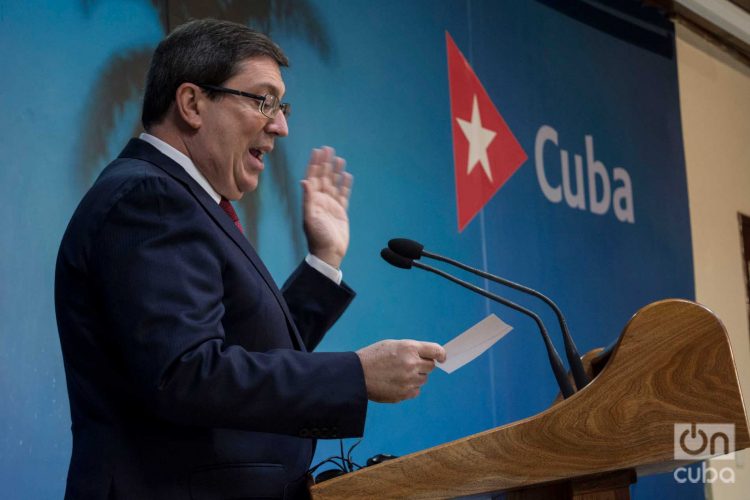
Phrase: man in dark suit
(189, 372)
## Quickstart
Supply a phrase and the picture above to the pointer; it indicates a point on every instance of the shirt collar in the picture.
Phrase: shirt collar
(183, 161)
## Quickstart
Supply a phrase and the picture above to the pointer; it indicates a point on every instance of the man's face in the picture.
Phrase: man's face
(234, 136)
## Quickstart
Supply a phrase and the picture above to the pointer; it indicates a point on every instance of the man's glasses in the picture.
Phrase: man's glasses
(269, 103)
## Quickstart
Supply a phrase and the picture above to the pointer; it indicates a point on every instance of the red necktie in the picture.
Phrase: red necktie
(229, 209)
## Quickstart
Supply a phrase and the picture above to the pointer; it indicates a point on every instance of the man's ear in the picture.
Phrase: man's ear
(189, 101)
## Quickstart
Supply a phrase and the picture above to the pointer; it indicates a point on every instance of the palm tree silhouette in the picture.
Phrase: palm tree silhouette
(121, 83)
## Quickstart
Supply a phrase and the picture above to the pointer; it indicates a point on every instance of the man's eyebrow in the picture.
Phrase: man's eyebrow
(269, 88)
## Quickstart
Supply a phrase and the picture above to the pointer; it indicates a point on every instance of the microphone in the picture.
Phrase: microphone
(558, 369)
(414, 250)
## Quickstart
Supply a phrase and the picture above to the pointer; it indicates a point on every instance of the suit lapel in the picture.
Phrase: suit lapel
(142, 150)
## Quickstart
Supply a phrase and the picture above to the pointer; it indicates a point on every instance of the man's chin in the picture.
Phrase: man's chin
(248, 186)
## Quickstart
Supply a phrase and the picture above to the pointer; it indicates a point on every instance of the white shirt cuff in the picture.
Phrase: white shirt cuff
(324, 268)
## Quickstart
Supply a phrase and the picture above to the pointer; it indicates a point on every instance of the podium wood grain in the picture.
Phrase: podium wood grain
(673, 364)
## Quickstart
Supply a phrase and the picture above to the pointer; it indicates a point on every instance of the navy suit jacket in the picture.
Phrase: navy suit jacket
(189, 373)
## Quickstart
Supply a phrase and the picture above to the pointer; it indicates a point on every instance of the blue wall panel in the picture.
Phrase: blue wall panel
(377, 90)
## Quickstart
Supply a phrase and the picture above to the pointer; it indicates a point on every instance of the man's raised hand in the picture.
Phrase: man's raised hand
(325, 200)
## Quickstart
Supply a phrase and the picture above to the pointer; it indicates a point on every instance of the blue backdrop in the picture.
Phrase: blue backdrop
(371, 79)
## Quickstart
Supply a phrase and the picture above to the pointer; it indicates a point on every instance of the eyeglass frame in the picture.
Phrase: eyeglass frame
(284, 107)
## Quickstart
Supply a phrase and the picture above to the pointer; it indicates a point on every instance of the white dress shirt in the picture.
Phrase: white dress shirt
(186, 163)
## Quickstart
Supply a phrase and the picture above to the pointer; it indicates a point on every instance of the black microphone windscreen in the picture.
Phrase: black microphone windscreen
(406, 248)
(394, 259)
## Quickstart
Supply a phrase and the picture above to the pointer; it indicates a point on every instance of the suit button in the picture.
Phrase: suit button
(304, 433)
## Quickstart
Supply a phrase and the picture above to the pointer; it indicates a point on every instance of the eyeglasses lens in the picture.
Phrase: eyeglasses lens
(269, 106)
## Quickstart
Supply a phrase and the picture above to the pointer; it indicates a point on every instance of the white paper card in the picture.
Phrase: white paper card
(473, 342)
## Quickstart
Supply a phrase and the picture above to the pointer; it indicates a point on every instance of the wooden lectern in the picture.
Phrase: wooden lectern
(672, 364)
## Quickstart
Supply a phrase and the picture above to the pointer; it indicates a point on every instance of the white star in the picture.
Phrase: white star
(479, 139)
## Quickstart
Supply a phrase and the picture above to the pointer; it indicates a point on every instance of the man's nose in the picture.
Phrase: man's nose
(278, 125)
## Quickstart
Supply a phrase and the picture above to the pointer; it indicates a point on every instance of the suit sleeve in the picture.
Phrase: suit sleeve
(315, 302)
(160, 280)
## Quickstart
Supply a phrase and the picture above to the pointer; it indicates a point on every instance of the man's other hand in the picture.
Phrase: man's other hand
(396, 369)
(325, 200)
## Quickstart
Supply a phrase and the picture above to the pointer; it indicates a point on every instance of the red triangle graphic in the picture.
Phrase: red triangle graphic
(496, 154)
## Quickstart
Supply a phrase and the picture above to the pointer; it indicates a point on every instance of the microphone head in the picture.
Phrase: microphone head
(406, 248)
(395, 259)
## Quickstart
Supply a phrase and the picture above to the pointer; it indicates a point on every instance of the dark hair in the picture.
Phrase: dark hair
(206, 51)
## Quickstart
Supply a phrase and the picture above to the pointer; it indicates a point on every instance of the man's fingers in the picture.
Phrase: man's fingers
(412, 393)
(397, 369)
(326, 178)
(313, 163)
(332, 174)
(327, 173)
(328, 154)
(319, 160)
(345, 189)
(312, 177)
(337, 174)
(347, 180)
(425, 366)
(431, 350)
